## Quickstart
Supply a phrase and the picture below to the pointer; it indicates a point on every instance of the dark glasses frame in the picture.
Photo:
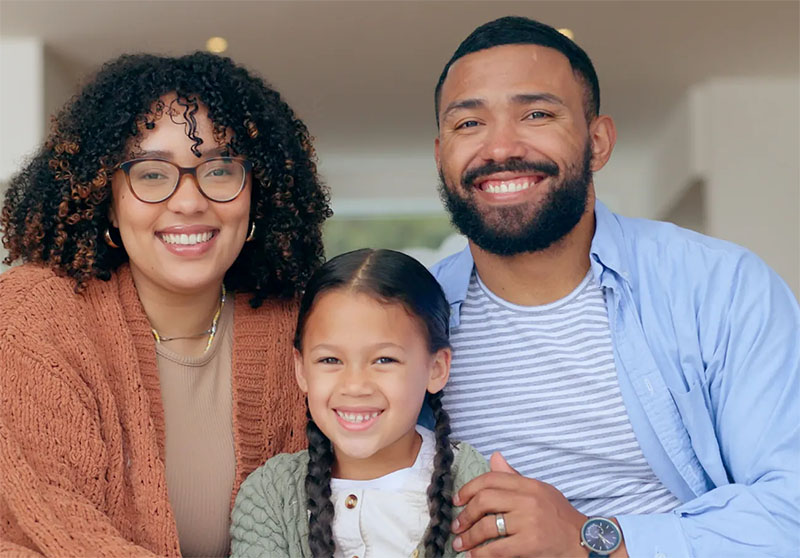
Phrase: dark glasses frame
(126, 167)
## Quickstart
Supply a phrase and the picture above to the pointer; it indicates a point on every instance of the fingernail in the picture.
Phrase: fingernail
(456, 500)
(454, 525)
(457, 543)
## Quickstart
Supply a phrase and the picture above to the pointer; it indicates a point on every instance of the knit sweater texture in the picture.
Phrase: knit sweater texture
(270, 517)
(82, 424)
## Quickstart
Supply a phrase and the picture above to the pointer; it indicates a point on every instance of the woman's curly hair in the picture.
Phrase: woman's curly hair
(56, 208)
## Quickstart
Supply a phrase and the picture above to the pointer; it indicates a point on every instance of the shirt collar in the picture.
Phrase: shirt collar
(454, 274)
(606, 252)
(608, 246)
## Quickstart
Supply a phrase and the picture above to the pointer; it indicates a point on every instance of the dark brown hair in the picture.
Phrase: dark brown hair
(56, 209)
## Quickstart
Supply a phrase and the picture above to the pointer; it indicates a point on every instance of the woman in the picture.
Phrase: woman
(166, 228)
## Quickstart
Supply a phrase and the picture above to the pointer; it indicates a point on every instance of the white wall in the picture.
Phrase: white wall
(60, 83)
(673, 155)
(736, 141)
(22, 114)
(625, 184)
(35, 84)
(753, 168)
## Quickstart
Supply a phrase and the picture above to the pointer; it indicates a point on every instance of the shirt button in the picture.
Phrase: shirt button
(351, 501)
(415, 554)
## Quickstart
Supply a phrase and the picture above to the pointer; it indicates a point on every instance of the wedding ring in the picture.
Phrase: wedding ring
(500, 521)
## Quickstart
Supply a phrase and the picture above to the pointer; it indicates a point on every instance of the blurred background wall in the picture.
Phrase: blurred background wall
(705, 96)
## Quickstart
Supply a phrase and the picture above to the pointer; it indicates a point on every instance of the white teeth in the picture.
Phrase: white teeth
(357, 417)
(507, 187)
(187, 239)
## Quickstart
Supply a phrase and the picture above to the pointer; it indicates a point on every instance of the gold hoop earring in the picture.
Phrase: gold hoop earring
(109, 240)
(252, 233)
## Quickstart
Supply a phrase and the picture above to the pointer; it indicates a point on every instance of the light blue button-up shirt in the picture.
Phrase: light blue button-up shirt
(707, 348)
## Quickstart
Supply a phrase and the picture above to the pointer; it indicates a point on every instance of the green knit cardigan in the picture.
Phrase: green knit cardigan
(270, 517)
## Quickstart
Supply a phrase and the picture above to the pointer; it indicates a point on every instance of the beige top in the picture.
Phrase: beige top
(200, 459)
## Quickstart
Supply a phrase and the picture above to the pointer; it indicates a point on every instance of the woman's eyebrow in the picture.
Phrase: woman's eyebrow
(168, 155)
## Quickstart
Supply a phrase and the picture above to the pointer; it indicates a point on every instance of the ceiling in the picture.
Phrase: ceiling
(361, 74)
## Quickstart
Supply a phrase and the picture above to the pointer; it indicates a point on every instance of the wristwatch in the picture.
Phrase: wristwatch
(601, 536)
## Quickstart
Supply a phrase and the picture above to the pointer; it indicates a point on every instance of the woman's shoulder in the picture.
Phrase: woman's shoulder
(36, 298)
(33, 289)
(23, 278)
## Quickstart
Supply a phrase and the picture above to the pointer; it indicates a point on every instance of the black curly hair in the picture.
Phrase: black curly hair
(390, 277)
(56, 209)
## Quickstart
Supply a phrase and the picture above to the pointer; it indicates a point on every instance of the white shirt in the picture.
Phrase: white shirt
(387, 516)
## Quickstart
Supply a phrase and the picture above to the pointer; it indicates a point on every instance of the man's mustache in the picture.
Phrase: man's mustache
(548, 168)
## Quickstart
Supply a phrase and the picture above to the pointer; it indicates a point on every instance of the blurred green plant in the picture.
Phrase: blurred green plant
(397, 232)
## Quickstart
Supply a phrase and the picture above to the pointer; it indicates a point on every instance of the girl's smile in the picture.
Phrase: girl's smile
(356, 420)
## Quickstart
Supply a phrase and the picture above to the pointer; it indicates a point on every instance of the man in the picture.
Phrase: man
(627, 370)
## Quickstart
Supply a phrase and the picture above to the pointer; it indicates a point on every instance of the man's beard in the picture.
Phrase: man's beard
(511, 230)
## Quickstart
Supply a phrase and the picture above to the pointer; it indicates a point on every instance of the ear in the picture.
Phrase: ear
(440, 370)
(436, 152)
(299, 371)
(603, 136)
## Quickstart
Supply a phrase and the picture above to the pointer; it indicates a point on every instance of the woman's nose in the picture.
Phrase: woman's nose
(187, 198)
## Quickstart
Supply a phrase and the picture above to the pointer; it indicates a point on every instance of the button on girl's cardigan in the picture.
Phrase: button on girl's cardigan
(81, 422)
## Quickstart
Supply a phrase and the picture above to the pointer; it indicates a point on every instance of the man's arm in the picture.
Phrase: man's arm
(751, 331)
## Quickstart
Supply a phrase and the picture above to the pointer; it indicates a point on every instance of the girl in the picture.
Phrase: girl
(371, 346)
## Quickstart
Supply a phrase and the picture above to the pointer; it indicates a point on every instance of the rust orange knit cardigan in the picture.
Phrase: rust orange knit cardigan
(82, 424)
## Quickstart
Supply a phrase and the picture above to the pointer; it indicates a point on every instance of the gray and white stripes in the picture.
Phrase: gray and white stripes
(539, 384)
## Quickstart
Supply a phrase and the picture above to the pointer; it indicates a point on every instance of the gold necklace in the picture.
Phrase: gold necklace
(211, 332)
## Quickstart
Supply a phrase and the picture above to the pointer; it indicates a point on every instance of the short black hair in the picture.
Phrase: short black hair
(515, 30)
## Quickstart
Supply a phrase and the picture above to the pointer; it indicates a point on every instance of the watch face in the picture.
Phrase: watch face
(601, 535)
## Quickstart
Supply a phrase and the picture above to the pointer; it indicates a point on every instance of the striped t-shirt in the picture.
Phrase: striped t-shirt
(539, 384)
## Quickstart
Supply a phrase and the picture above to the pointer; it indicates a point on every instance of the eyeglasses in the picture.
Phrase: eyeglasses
(220, 179)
